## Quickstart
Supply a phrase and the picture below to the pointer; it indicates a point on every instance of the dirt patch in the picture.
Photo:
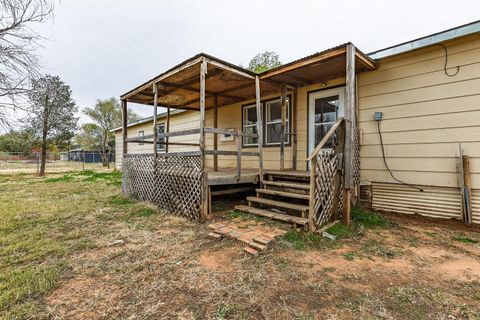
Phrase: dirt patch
(223, 259)
(84, 298)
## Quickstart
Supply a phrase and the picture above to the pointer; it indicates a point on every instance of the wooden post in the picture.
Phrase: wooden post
(467, 190)
(239, 155)
(294, 130)
(311, 200)
(204, 197)
(350, 126)
(259, 129)
(155, 110)
(124, 126)
(339, 151)
(167, 128)
(282, 127)
(215, 136)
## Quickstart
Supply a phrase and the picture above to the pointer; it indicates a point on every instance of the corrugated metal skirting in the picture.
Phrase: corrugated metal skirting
(437, 202)
(476, 206)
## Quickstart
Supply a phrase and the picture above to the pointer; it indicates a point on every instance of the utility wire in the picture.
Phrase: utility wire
(446, 62)
(386, 165)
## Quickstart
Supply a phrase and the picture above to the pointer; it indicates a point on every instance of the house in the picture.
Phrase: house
(81, 155)
(398, 128)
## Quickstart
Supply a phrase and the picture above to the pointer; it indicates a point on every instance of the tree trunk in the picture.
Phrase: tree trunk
(44, 155)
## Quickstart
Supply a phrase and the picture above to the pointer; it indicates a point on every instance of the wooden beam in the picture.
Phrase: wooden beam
(365, 60)
(204, 191)
(192, 89)
(282, 126)
(124, 127)
(311, 200)
(155, 111)
(239, 156)
(259, 128)
(230, 69)
(303, 63)
(231, 153)
(294, 129)
(215, 135)
(167, 128)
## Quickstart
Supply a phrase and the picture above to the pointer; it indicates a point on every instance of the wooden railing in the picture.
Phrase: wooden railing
(238, 152)
(326, 177)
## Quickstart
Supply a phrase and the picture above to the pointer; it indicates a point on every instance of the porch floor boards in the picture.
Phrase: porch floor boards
(229, 176)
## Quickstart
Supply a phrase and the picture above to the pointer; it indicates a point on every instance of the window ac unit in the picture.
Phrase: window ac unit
(226, 137)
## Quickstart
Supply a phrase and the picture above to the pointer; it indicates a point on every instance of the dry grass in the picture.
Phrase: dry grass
(61, 259)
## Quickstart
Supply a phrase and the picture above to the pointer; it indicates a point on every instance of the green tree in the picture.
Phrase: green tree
(105, 116)
(51, 111)
(17, 141)
(264, 61)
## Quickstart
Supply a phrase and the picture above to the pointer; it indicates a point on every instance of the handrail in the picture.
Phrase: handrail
(325, 139)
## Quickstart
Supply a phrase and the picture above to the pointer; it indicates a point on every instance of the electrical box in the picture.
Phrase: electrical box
(378, 116)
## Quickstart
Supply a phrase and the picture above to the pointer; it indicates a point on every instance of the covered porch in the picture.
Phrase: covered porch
(204, 83)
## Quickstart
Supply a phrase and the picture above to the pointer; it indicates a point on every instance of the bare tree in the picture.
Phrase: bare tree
(18, 63)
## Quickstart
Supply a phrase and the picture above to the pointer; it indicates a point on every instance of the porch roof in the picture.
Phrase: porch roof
(179, 87)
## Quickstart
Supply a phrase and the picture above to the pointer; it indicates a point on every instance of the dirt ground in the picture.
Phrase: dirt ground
(124, 260)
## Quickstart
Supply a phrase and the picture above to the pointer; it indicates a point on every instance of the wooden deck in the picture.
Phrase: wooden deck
(229, 176)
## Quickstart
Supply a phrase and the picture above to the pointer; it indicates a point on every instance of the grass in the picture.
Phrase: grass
(464, 239)
(361, 220)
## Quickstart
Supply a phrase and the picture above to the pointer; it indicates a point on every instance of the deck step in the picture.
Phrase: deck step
(285, 184)
(283, 194)
(280, 204)
(296, 174)
(272, 215)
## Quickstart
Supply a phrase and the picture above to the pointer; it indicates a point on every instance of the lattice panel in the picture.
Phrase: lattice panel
(356, 166)
(173, 183)
(326, 169)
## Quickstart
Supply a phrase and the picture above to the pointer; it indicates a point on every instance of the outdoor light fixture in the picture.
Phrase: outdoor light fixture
(323, 84)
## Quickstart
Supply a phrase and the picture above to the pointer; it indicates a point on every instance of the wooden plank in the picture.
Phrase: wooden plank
(231, 153)
(467, 193)
(294, 129)
(215, 135)
(283, 194)
(155, 111)
(232, 190)
(346, 206)
(230, 69)
(259, 127)
(131, 140)
(204, 196)
(350, 124)
(177, 133)
(297, 174)
(327, 226)
(324, 140)
(282, 126)
(272, 215)
(167, 128)
(279, 204)
(221, 131)
(239, 156)
(292, 185)
(311, 201)
(124, 126)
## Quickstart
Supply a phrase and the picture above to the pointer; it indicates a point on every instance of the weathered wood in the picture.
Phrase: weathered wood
(282, 126)
(215, 135)
(279, 204)
(259, 128)
(296, 174)
(291, 185)
(339, 147)
(272, 215)
(221, 131)
(327, 226)
(204, 193)
(232, 190)
(133, 140)
(231, 153)
(124, 126)
(325, 139)
(155, 116)
(311, 201)
(239, 156)
(167, 128)
(467, 185)
(346, 207)
(230, 69)
(349, 114)
(176, 133)
(283, 194)
(294, 129)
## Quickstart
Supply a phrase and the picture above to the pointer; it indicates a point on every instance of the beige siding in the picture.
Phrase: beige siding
(426, 115)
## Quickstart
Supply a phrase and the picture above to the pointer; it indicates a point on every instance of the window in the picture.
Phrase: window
(274, 122)
(161, 130)
(250, 124)
(140, 137)
(326, 110)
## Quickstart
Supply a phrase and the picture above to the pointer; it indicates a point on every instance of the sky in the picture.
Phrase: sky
(104, 48)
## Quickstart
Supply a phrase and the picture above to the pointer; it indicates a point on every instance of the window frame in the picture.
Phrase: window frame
(287, 122)
(244, 125)
(264, 120)
(141, 136)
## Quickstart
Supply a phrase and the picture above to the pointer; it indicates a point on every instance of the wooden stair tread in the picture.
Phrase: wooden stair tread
(273, 215)
(285, 184)
(280, 204)
(283, 194)
(301, 174)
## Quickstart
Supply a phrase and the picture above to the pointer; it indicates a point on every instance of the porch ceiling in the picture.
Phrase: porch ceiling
(320, 67)
(179, 87)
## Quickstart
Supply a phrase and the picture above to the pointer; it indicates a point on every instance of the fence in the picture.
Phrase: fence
(17, 162)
